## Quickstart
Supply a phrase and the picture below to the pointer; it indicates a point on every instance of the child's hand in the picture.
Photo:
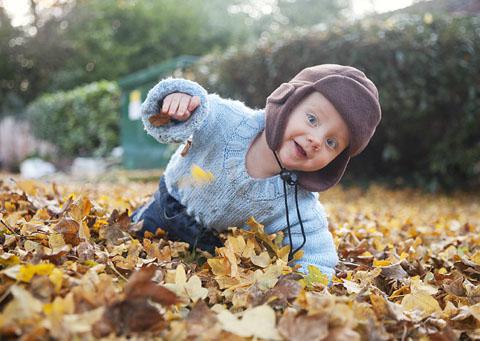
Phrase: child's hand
(179, 106)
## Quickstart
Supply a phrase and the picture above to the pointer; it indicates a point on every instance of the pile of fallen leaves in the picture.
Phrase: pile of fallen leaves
(72, 268)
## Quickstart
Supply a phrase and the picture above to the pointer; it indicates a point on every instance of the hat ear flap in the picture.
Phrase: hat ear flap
(280, 94)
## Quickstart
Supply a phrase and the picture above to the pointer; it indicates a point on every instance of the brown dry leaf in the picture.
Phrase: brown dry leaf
(303, 327)
(159, 120)
(85, 251)
(343, 334)
(124, 317)
(80, 208)
(287, 289)
(258, 230)
(202, 322)
(68, 228)
(186, 148)
(140, 285)
(134, 313)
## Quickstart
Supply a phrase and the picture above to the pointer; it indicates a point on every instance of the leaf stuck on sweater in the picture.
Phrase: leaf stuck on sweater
(159, 120)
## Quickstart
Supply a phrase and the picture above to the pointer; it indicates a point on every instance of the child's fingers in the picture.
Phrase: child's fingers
(194, 103)
(166, 104)
(182, 112)
(179, 106)
(174, 105)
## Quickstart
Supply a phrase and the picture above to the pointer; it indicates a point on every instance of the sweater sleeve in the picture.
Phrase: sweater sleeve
(319, 249)
(175, 131)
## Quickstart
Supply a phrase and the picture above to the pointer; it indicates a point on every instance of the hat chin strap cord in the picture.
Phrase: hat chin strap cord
(291, 178)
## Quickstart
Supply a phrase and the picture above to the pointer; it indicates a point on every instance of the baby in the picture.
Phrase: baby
(262, 161)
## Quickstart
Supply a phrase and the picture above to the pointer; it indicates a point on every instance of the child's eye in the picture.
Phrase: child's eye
(332, 143)
(311, 118)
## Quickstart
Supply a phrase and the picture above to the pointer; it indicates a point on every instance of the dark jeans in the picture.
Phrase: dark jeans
(166, 212)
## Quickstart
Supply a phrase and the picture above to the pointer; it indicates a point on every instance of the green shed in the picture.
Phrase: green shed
(139, 149)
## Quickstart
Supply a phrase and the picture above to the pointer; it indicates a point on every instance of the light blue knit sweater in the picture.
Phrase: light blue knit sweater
(222, 131)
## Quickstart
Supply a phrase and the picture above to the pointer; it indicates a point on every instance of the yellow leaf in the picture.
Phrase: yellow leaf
(475, 311)
(27, 271)
(201, 176)
(422, 302)
(476, 258)
(60, 306)
(417, 285)
(352, 287)
(315, 276)
(230, 256)
(262, 260)
(442, 271)
(41, 214)
(227, 282)
(267, 280)
(56, 277)
(30, 246)
(249, 249)
(191, 289)
(99, 223)
(400, 292)
(283, 253)
(80, 208)
(84, 231)
(180, 275)
(194, 289)
(377, 262)
(298, 255)
(56, 242)
(258, 322)
(9, 259)
(28, 186)
(259, 231)
(450, 310)
(236, 243)
(10, 207)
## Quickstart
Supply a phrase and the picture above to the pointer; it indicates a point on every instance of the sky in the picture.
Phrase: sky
(18, 9)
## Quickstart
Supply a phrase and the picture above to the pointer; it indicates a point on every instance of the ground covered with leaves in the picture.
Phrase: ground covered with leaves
(71, 269)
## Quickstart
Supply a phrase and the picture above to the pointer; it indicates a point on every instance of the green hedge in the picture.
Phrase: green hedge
(427, 70)
(80, 122)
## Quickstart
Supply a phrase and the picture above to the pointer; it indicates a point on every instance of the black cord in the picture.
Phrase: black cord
(292, 179)
(301, 223)
(290, 255)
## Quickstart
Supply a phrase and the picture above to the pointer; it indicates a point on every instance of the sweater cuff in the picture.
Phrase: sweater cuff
(175, 131)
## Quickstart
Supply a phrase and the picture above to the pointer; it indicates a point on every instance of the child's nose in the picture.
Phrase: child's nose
(314, 143)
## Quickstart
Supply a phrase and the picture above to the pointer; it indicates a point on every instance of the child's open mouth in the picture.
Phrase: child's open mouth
(300, 150)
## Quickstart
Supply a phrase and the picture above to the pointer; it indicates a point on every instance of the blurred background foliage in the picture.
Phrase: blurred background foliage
(71, 42)
(424, 60)
(79, 122)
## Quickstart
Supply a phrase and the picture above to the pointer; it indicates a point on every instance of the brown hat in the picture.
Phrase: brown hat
(353, 95)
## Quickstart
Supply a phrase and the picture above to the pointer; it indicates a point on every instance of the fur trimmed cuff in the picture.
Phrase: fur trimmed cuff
(174, 132)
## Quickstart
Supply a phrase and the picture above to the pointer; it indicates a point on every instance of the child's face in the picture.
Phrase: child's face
(315, 134)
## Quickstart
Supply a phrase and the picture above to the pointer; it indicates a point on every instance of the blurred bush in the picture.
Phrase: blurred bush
(427, 70)
(80, 122)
